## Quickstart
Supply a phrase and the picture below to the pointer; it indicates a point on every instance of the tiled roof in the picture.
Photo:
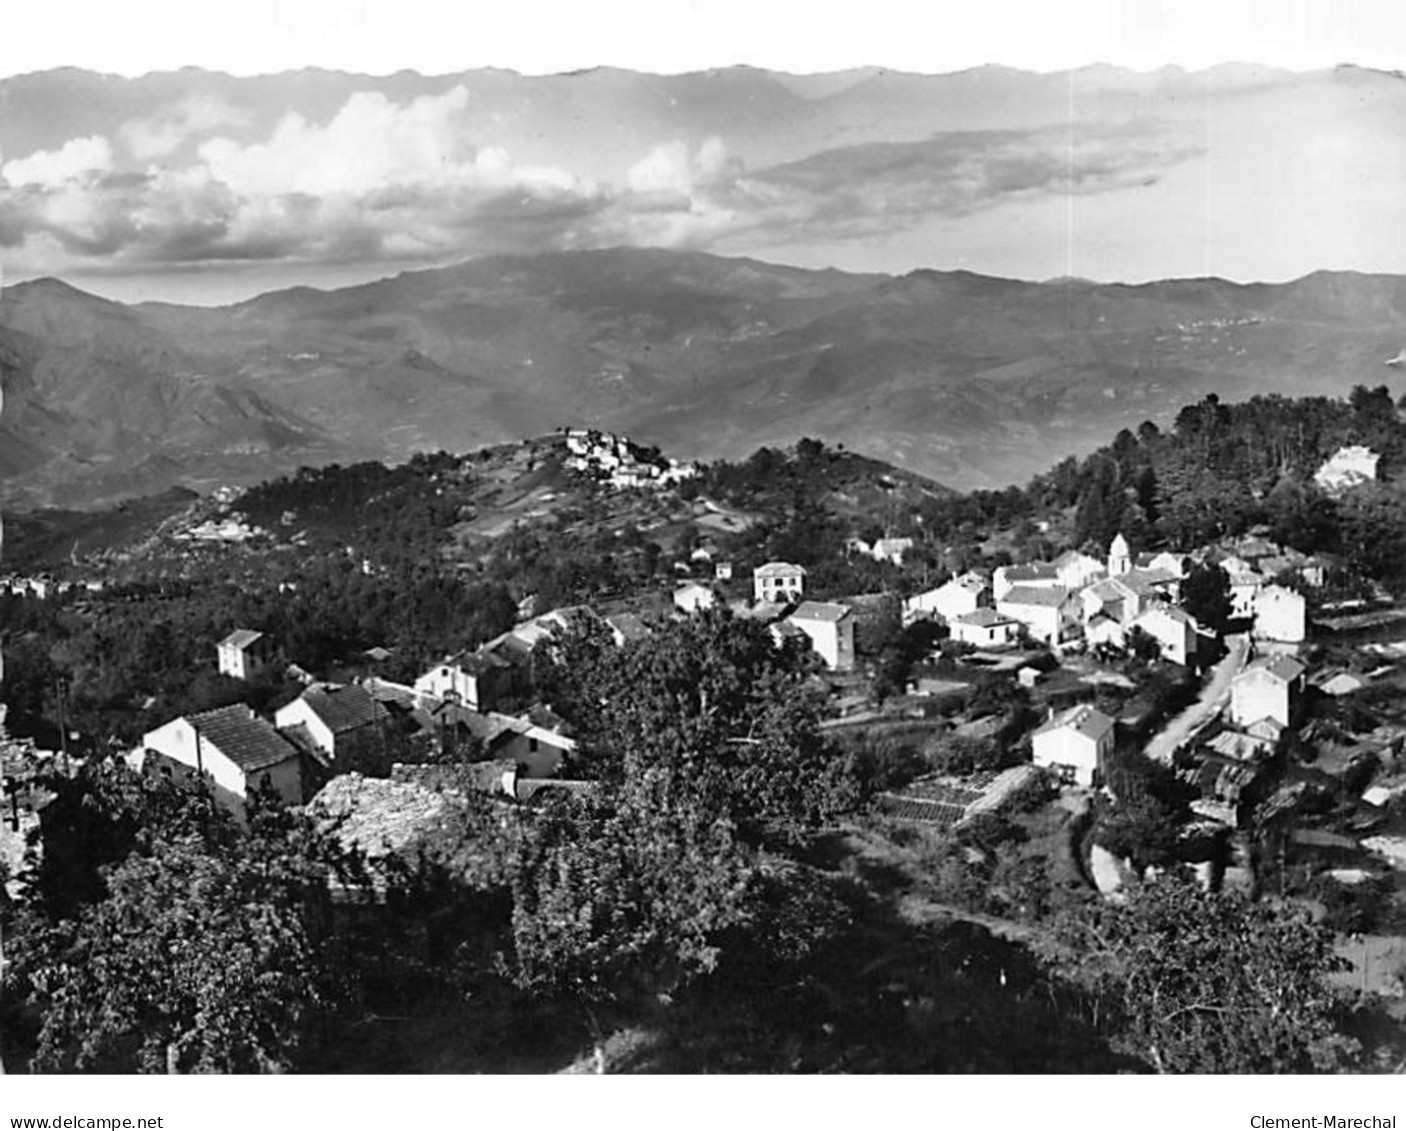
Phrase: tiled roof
(241, 638)
(344, 708)
(1234, 744)
(629, 626)
(1052, 596)
(779, 569)
(821, 611)
(480, 661)
(387, 692)
(1282, 667)
(1170, 611)
(984, 618)
(1110, 589)
(1146, 581)
(1087, 720)
(1033, 571)
(248, 741)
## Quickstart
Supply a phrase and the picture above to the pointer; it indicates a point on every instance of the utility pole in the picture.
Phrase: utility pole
(63, 725)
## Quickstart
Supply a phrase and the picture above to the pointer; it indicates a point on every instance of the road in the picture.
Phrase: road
(1208, 705)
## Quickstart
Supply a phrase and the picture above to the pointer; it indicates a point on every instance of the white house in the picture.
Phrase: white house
(1075, 744)
(831, 631)
(537, 750)
(1164, 561)
(1347, 468)
(234, 748)
(331, 714)
(1074, 569)
(1048, 612)
(1103, 630)
(984, 628)
(694, 598)
(1266, 689)
(1245, 586)
(1112, 598)
(958, 597)
(476, 679)
(890, 549)
(243, 652)
(778, 582)
(1280, 614)
(1174, 631)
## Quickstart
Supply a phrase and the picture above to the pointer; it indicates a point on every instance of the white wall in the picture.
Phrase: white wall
(299, 712)
(1066, 747)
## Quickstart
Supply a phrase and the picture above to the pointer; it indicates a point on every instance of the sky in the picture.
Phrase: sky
(204, 190)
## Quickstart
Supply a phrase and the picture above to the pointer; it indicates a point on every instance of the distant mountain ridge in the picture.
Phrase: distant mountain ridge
(968, 379)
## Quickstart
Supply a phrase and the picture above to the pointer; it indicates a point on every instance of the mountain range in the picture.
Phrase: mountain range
(971, 380)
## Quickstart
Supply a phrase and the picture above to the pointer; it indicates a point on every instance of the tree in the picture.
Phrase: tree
(1144, 822)
(623, 905)
(1210, 982)
(713, 703)
(1205, 596)
(205, 955)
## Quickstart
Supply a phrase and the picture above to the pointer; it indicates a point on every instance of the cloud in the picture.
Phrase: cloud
(80, 157)
(677, 198)
(160, 135)
(378, 179)
(407, 181)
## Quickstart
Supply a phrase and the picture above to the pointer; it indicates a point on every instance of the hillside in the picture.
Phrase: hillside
(99, 406)
(970, 380)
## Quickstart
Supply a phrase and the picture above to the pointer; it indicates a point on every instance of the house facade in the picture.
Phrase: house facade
(1280, 614)
(332, 714)
(1074, 569)
(234, 749)
(694, 598)
(479, 680)
(830, 628)
(1049, 613)
(243, 653)
(1267, 689)
(1075, 744)
(984, 628)
(958, 597)
(1174, 631)
(778, 582)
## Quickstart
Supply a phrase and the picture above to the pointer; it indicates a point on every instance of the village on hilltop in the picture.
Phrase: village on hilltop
(1044, 677)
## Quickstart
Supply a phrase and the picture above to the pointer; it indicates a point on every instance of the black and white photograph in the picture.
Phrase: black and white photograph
(703, 539)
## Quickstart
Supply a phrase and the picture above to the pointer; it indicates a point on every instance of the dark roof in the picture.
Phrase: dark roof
(1034, 571)
(984, 618)
(344, 708)
(387, 692)
(248, 741)
(302, 738)
(1052, 596)
(480, 662)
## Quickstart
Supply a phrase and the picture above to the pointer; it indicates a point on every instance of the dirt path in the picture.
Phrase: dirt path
(1209, 703)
